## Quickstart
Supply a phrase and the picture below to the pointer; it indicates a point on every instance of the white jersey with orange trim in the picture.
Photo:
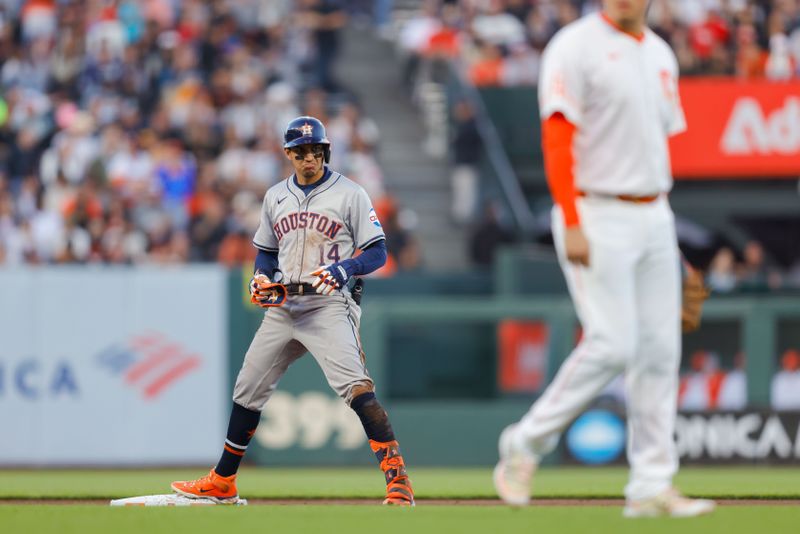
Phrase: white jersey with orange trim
(621, 93)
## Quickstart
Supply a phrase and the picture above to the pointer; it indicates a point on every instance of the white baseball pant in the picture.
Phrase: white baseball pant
(628, 302)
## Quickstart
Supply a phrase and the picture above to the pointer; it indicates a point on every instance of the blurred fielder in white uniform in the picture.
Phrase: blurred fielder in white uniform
(609, 101)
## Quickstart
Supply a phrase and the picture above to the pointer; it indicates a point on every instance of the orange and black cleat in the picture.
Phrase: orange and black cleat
(398, 486)
(212, 486)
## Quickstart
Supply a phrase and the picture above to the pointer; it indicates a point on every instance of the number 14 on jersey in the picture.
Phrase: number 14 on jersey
(333, 255)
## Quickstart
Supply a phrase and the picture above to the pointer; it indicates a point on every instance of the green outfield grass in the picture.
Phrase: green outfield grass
(352, 483)
(728, 482)
(372, 520)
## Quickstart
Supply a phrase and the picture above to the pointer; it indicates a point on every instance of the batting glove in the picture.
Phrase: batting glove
(259, 284)
(256, 283)
(330, 278)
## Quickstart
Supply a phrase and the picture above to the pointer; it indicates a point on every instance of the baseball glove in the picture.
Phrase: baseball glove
(695, 293)
(265, 293)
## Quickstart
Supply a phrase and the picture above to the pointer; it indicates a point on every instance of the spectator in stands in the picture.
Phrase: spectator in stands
(466, 150)
(362, 167)
(72, 150)
(488, 235)
(445, 42)
(496, 26)
(520, 66)
(207, 229)
(66, 61)
(47, 230)
(129, 167)
(237, 249)
(539, 27)
(780, 64)
(785, 393)
(751, 59)
(350, 125)
(127, 129)
(794, 46)
(699, 388)
(176, 173)
(324, 19)
(415, 36)
(10, 239)
(708, 36)
(712, 38)
(722, 271)
(487, 70)
(733, 390)
(316, 105)
(755, 275)
(383, 14)
(402, 247)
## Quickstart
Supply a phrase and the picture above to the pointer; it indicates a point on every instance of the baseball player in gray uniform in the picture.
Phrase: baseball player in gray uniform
(312, 224)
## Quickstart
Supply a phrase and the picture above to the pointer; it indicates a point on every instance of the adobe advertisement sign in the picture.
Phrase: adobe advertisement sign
(112, 366)
(599, 435)
(738, 129)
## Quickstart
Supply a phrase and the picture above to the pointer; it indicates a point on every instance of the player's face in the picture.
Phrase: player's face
(626, 12)
(307, 160)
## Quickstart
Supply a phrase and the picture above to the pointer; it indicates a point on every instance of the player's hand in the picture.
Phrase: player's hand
(267, 293)
(576, 246)
(330, 278)
(258, 291)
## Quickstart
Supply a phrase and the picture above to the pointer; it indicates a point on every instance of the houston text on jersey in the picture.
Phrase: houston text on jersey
(306, 219)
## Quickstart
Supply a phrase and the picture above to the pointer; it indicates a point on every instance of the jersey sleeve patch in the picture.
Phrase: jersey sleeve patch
(373, 218)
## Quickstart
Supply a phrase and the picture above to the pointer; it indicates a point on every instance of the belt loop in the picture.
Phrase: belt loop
(300, 288)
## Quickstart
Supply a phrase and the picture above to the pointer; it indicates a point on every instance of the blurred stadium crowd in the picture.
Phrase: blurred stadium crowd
(500, 41)
(148, 131)
(706, 384)
(139, 131)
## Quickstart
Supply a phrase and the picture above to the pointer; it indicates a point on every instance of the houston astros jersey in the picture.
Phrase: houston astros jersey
(621, 93)
(317, 230)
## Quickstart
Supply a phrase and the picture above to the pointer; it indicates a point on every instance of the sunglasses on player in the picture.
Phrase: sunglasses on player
(300, 152)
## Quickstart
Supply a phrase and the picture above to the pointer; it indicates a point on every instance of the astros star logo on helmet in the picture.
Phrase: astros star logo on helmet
(307, 130)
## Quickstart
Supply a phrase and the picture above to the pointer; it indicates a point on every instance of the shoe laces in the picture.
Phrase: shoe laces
(392, 462)
(214, 480)
(202, 481)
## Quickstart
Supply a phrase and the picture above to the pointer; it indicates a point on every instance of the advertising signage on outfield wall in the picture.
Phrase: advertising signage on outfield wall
(738, 129)
(598, 437)
(739, 437)
(137, 379)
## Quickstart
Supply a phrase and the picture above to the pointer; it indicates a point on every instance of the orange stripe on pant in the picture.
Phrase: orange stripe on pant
(234, 451)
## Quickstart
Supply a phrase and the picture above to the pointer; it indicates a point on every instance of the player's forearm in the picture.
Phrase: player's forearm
(557, 136)
(371, 259)
(266, 263)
